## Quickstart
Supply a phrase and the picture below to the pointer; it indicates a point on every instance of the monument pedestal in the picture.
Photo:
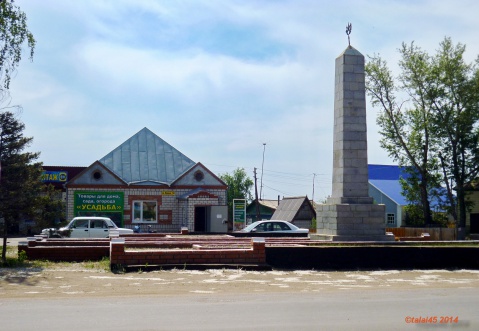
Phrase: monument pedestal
(351, 222)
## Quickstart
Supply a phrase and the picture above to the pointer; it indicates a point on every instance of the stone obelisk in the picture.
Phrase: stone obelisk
(350, 214)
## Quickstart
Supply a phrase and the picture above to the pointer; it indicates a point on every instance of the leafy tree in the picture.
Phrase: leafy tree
(50, 208)
(435, 130)
(404, 127)
(13, 34)
(239, 187)
(454, 97)
(19, 176)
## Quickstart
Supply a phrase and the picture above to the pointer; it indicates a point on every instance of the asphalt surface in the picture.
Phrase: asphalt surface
(13, 241)
(393, 309)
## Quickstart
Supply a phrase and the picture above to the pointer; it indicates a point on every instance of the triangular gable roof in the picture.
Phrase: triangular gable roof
(189, 178)
(145, 158)
(197, 192)
(385, 178)
(85, 177)
(288, 208)
(391, 188)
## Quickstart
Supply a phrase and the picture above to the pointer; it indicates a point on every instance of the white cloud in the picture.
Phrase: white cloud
(214, 78)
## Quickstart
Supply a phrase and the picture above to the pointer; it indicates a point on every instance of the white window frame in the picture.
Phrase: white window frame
(140, 218)
(391, 218)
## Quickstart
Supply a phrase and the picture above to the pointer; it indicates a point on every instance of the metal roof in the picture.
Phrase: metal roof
(390, 188)
(147, 159)
(386, 179)
(273, 204)
(386, 172)
(288, 208)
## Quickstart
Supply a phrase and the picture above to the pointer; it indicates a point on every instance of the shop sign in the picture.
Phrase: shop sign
(167, 192)
(239, 213)
(54, 176)
(99, 201)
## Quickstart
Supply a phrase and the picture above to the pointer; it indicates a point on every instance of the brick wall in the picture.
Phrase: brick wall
(66, 251)
(172, 214)
(434, 233)
(195, 255)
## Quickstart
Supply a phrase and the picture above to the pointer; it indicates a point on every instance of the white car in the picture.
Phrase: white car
(275, 226)
(87, 227)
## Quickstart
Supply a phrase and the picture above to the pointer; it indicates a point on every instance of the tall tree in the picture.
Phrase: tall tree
(20, 176)
(50, 207)
(13, 34)
(454, 96)
(404, 125)
(435, 130)
(239, 187)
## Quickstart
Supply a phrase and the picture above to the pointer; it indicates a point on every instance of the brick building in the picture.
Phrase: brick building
(145, 181)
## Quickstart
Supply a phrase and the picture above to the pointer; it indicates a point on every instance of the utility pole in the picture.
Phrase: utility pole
(256, 195)
(262, 164)
(314, 177)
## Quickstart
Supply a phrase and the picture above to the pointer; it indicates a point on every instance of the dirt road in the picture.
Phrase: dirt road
(77, 280)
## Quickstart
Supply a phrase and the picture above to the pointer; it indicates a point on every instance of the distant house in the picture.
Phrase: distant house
(385, 188)
(472, 217)
(145, 181)
(266, 210)
(297, 210)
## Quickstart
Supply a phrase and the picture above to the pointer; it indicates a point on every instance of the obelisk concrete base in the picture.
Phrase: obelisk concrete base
(351, 222)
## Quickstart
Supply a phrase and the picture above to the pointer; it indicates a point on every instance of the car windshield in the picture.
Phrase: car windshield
(111, 224)
(250, 227)
(292, 226)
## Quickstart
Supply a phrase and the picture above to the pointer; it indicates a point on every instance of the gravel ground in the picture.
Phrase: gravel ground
(77, 280)
(61, 280)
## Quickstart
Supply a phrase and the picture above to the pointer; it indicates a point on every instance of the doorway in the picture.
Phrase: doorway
(200, 219)
(474, 223)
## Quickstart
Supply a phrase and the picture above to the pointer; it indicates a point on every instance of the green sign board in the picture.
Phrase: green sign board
(239, 213)
(103, 202)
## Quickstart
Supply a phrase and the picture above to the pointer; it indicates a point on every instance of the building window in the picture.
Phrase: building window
(144, 212)
(97, 175)
(199, 176)
(391, 219)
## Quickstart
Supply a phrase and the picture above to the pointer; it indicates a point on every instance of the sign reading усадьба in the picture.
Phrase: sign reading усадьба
(99, 201)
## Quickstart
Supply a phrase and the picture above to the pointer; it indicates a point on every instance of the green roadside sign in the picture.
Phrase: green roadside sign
(239, 213)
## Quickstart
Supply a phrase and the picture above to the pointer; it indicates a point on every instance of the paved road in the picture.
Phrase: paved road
(333, 310)
(14, 241)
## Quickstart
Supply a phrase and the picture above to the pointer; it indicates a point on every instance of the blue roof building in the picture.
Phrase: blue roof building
(385, 188)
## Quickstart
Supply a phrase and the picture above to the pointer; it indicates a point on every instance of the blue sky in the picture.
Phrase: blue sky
(215, 79)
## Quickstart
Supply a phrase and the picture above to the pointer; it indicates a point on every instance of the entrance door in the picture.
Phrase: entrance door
(200, 219)
(217, 219)
(474, 223)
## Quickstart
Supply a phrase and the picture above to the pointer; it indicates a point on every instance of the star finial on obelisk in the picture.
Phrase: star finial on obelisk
(348, 32)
